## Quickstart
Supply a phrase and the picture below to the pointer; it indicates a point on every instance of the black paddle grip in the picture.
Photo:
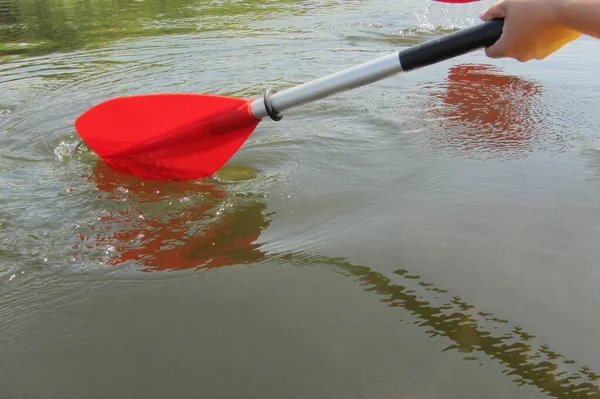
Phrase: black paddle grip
(452, 45)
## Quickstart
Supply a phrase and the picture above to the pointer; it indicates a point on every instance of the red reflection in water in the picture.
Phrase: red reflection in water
(486, 110)
(160, 228)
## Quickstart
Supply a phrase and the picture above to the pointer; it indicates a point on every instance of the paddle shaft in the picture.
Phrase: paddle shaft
(421, 55)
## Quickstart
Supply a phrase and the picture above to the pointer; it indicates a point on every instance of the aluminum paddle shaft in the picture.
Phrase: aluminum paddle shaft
(421, 55)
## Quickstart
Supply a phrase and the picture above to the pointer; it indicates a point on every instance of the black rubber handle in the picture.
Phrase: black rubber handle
(452, 45)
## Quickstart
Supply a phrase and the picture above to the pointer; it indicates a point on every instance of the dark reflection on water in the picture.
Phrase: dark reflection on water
(473, 332)
(7, 12)
(486, 112)
(201, 229)
(207, 233)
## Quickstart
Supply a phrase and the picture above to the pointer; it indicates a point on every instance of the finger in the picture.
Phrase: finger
(497, 10)
(497, 50)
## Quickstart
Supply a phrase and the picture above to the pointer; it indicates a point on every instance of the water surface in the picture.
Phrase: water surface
(431, 235)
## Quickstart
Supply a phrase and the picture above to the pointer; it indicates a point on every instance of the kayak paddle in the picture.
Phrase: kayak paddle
(190, 136)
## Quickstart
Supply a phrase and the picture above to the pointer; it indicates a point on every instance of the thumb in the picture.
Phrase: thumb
(497, 10)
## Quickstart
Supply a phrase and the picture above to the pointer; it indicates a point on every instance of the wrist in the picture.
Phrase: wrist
(559, 9)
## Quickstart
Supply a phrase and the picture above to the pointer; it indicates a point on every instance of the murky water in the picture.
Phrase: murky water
(431, 235)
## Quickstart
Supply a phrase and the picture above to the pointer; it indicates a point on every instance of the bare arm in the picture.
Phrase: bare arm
(581, 15)
(534, 29)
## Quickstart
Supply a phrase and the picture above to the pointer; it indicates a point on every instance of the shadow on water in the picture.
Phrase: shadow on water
(485, 112)
(41, 26)
(222, 230)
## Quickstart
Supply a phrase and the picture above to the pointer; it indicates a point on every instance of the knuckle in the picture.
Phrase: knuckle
(492, 52)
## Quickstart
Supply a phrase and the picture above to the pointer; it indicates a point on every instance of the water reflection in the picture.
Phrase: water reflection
(471, 332)
(203, 226)
(7, 12)
(486, 112)
(42, 26)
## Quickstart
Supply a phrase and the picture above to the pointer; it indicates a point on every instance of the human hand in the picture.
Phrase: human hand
(532, 29)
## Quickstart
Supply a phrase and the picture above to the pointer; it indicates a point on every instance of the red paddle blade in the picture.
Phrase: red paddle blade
(167, 136)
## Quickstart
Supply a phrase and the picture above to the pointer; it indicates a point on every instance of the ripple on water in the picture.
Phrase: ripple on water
(153, 226)
(482, 113)
(325, 170)
(99, 218)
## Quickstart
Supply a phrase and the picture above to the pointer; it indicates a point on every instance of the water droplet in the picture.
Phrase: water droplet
(11, 278)
(64, 150)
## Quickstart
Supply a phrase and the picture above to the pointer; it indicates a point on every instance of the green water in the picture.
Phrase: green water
(39, 27)
(431, 235)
